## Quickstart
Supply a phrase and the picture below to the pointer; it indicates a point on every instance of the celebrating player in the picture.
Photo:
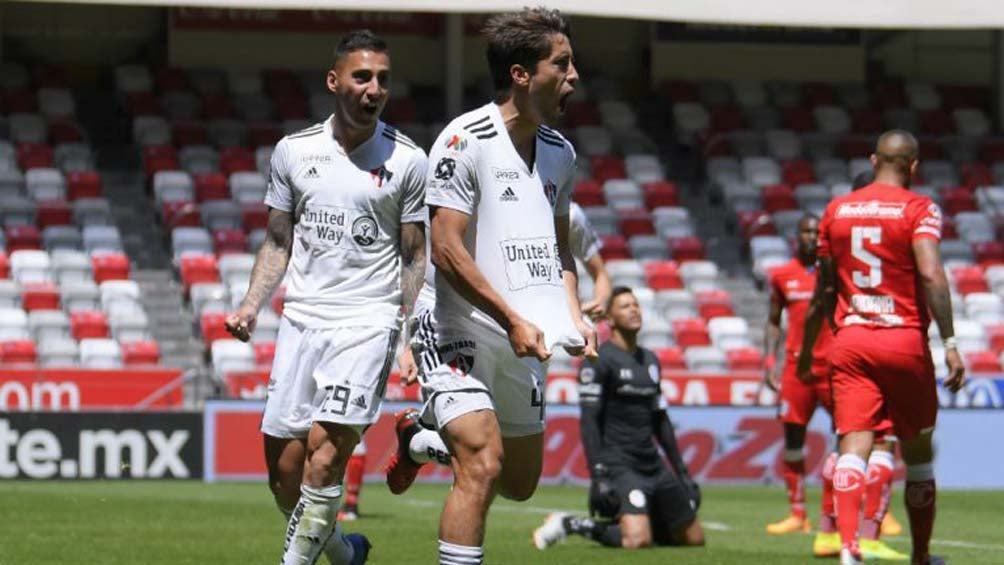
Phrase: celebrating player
(880, 276)
(506, 288)
(792, 286)
(640, 500)
(345, 199)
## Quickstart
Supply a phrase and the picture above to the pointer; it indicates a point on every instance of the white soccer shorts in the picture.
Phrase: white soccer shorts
(465, 368)
(331, 375)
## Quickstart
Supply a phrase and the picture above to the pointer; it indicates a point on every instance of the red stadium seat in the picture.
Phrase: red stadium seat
(142, 104)
(852, 147)
(686, 249)
(20, 100)
(671, 358)
(690, 332)
(589, 193)
(714, 304)
(211, 186)
(635, 222)
(292, 107)
(180, 213)
(260, 133)
(65, 131)
(948, 230)
(34, 156)
(727, 118)
(254, 216)
(975, 175)
(110, 267)
(606, 167)
(755, 222)
(83, 184)
(281, 82)
(777, 197)
(54, 213)
(582, 113)
(140, 353)
(197, 269)
(867, 120)
(931, 150)
(159, 158)
(820, 94)
(264, 353)
(983, 362)
(171, 80)
(889, 95)
(992, 150)
(401, 111)
(189, 132)
(798, 119)
(217, 105)
(744, 359)
(278, 299)
(936, 122)
(798, 171)
(614, 247)
(958, 199)
(235, 159)
(995, 336)
(212, 327)
(22, 237)
(680, 91)
(230, 241)
(85, 324)
(4, 265)
(969, 280)
(39, 296)
(663, 275)
(659, 194)
(18, 352)
(989, 253)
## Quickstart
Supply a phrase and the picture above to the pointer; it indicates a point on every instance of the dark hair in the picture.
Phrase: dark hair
(520, 38)
(808, 216)
(862, 179)
(617, 291)
(358, 40)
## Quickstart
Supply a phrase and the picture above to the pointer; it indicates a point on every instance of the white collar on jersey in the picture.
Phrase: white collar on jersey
(329, 132)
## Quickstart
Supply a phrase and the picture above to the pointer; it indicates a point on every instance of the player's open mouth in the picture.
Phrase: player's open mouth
(563, 101)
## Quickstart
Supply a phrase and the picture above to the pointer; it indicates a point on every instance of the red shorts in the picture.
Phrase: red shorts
(883, 375)
(799, 400)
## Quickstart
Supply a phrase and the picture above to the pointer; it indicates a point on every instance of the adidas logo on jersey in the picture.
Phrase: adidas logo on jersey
(312, 173)
(508, 195)
(360, 402)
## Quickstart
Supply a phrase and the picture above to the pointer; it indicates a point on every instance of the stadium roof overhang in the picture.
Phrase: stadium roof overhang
(867, 14)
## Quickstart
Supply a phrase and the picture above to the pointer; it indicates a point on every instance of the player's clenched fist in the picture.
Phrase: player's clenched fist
(527, 340)
(588, 350)
(241, 323)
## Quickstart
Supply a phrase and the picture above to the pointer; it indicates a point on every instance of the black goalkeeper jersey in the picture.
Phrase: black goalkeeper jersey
(621, 392)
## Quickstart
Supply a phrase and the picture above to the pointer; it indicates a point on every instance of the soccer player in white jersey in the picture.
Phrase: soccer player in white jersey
(417, 445)
(506, 288)
(345, 200)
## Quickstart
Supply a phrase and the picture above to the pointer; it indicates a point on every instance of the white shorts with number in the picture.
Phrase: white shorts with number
(465, 368)
(331, 375)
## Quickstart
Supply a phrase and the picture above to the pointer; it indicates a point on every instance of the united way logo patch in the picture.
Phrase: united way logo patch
(551, 192)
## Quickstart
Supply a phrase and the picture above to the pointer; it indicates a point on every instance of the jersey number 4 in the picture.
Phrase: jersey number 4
(873, 235)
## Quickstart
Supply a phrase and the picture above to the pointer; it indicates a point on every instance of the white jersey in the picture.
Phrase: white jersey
(582, 237)
(348, 208)
(475, 169)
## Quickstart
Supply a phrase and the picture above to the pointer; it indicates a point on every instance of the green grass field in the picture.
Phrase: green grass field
(178, 523)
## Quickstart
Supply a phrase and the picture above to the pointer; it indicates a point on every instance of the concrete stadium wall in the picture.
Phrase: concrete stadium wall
(935, 56)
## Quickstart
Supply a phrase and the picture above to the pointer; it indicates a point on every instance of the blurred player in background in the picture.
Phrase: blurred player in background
(345, 199)
(640, 500)
(792, 286)
(880, 280)
(498, 192)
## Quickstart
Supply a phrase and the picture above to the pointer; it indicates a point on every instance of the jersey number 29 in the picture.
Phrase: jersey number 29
(872, 234)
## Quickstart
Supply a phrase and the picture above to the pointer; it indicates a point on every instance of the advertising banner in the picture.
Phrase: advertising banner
(101, 445)
(722, 445)
(86, 389)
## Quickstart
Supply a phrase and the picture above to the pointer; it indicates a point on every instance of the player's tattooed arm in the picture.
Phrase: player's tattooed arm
(927, 255)
(269, 268)
(412, 263)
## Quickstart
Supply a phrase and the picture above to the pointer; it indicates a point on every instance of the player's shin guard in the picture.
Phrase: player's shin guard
(311, 524)
(920, 494)
(877, 488)
(849, 488)
(453, 554)
(828, 513)
(427, 446)
(794, 480)
(606, 532)
(354, 479)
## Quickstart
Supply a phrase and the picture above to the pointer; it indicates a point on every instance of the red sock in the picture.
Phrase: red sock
(354, 479)
(794, 481)
(849, 490)
(828, 515)
(877, 493)
(920, 494)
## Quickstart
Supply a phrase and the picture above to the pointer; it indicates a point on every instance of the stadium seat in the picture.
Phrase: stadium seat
(247, 186)
(170, 186)
(198, 268)
(635, 222)
(30, 265)
(267, 328)
(656, 334)
(626, 272)
(45, 184)
(985, 307)
(690, 332)
(623, 194)
(254, 215)
(102, 240)
(614, 247)
(221, 215)
(230, 355)
(186, 240)
(236, 266)
(588, 193)
(100, 353)
(88, 324)
(62, 352)
(22, 238)
(13, 324)
(983, 362)
(54, 213)
(671, 358)
(17, 352)
(180, 213)
(704, 359)
(48, 324)
(109, 266)
(140, 353)
(4, 264)
(120, 296)
(264, 353)
(39, 295)
(129, 326)
(208, 297)
(229, 241)
(744, 359)
(211, 324)
(211, 186)
(968, 280)
(660, 194)
(648, 248)
(714, 304)
(69, 265)
(663, 275)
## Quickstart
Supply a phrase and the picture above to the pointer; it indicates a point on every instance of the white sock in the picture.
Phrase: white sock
(882, 459)
(338, 550)
(312, 523)
(426, 446)
(452, 554)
